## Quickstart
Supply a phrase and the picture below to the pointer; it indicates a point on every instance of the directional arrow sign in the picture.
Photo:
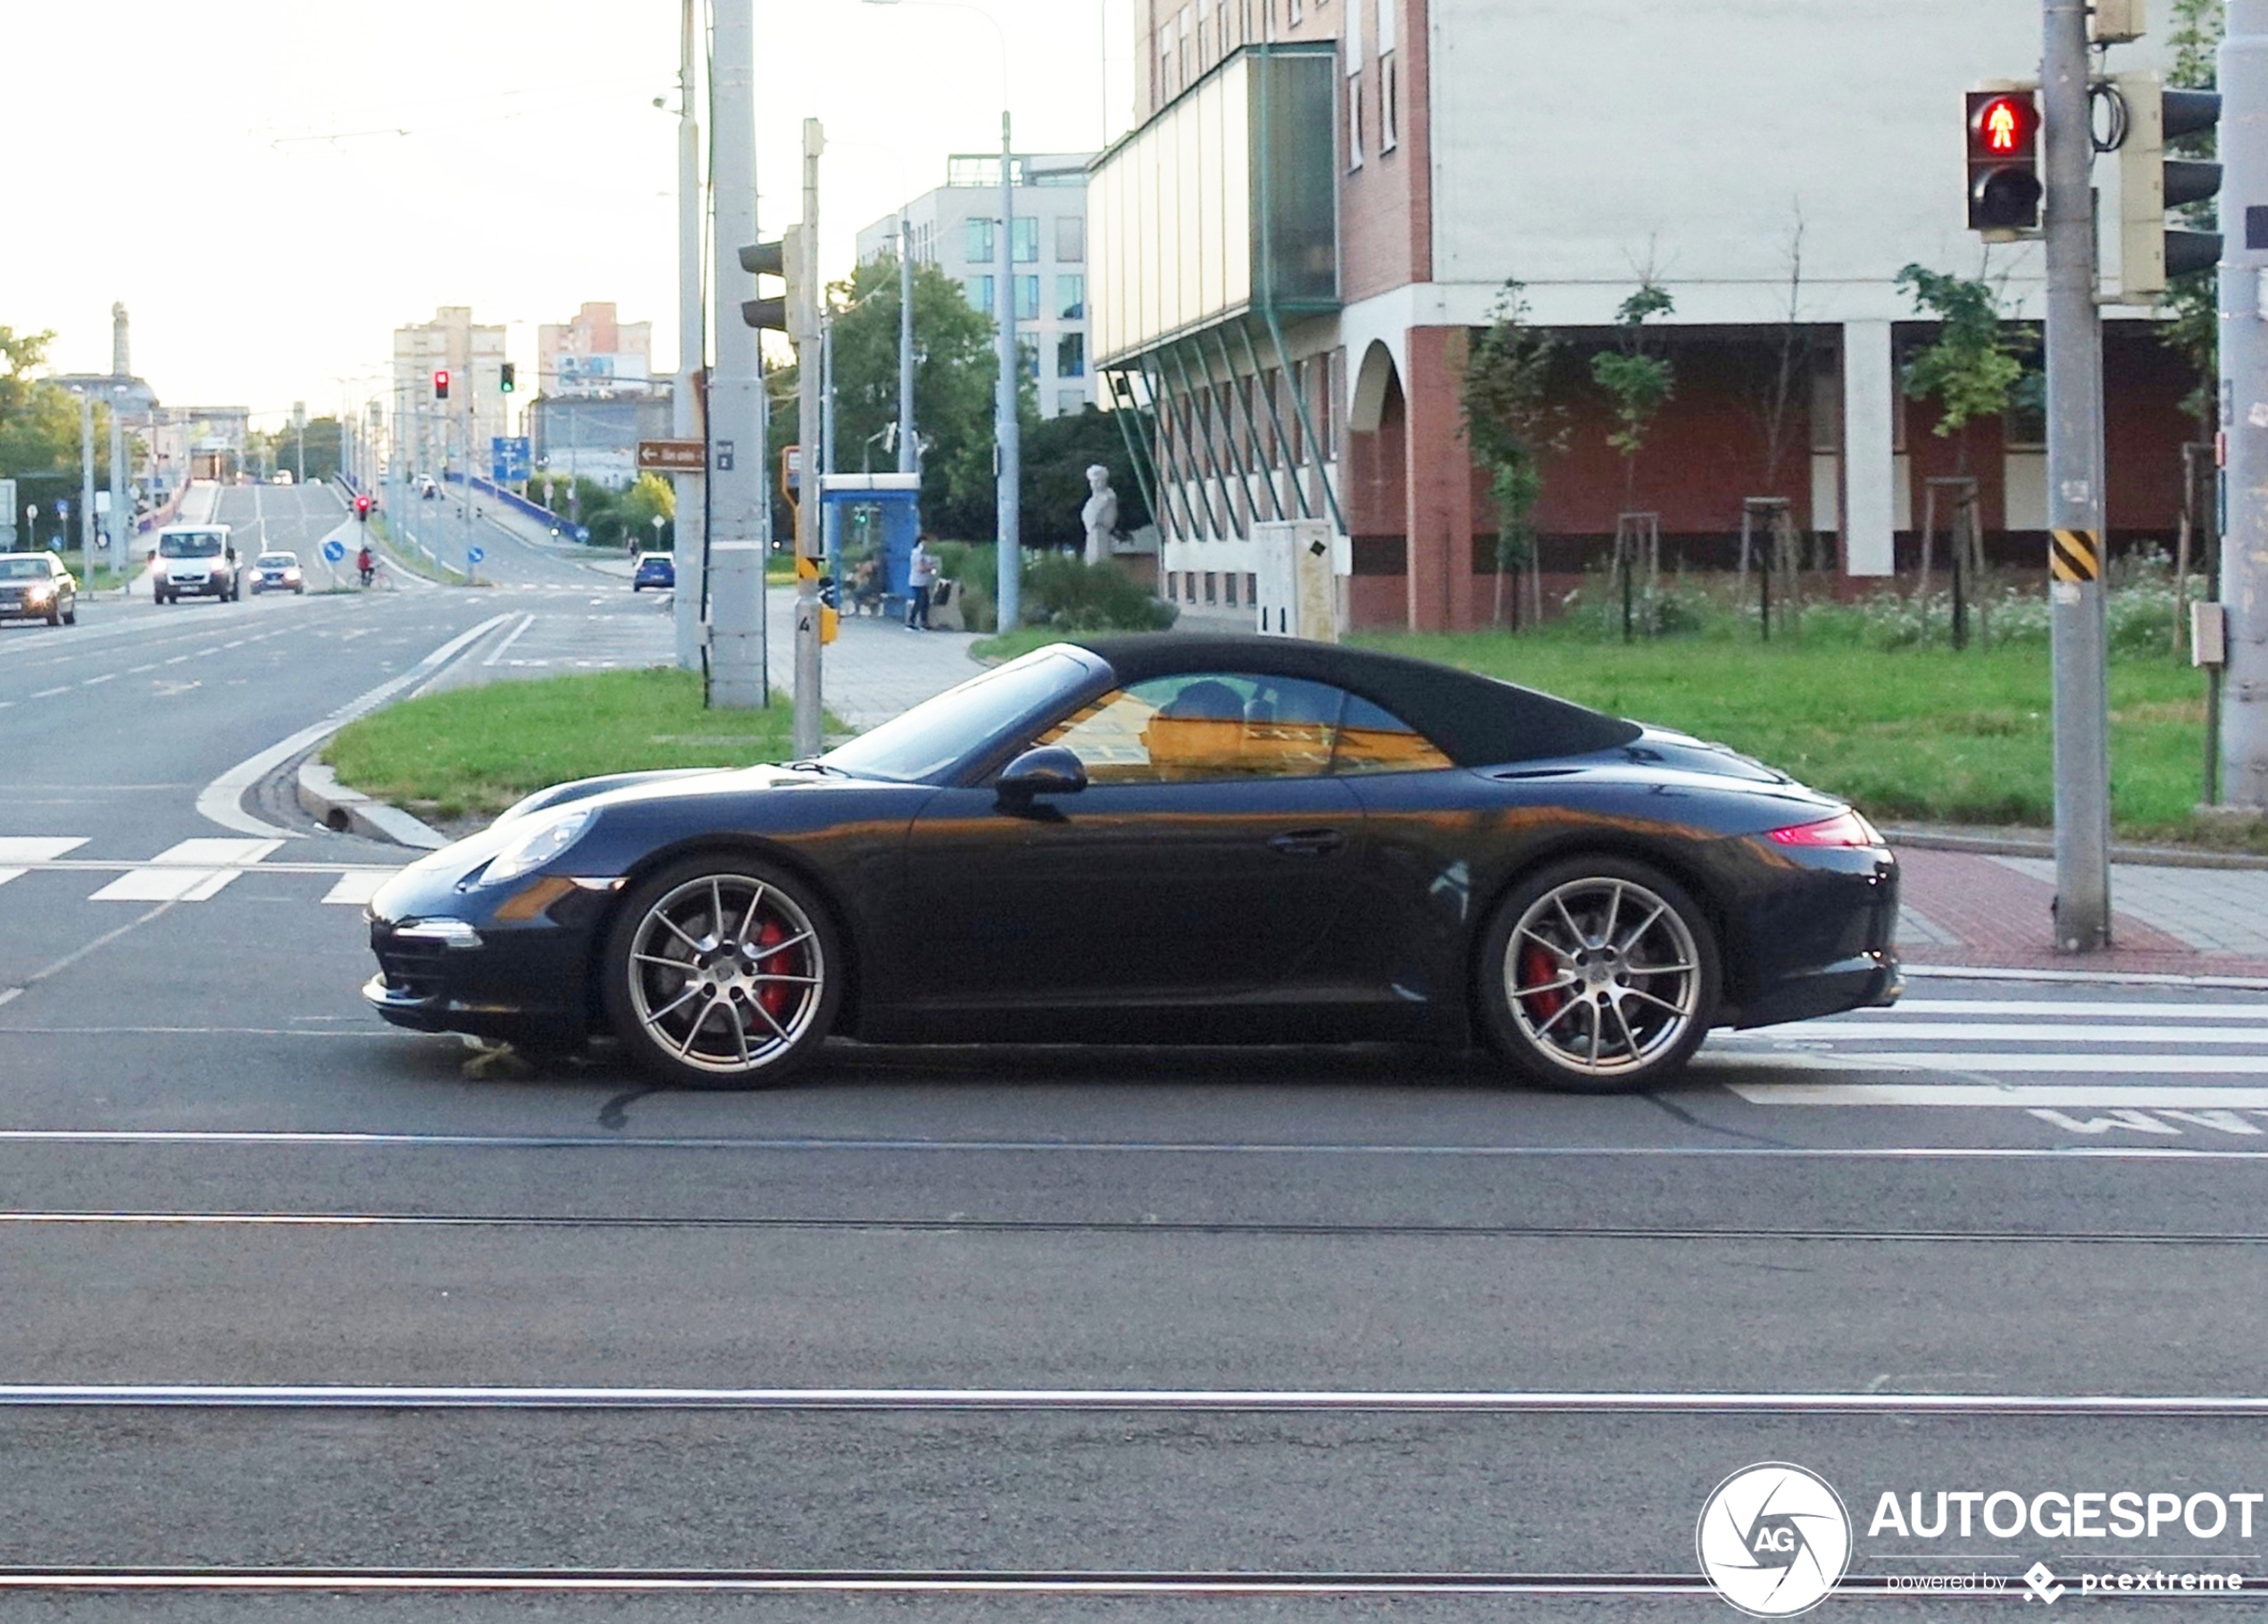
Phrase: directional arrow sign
(473, 555)
(334, 550)
(672, 456)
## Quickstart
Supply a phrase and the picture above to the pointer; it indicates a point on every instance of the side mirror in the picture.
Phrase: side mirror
(1048, 770)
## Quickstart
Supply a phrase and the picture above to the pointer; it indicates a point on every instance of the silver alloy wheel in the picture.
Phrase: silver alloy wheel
(726, 973)
(1602, 975)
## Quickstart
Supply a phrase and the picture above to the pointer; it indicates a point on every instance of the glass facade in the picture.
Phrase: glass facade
(980, 296)
(1226, 200)
(1027, 240)
(1070, 297)
(980, 250)
(1027, 298)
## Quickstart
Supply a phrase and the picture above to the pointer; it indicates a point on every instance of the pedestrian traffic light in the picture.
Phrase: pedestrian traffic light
(2004, 161)
(441, 383)
(505, 380)
(363, 508)
(2150, 183)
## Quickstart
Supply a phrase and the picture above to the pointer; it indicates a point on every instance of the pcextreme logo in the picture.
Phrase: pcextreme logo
(1774, 1539)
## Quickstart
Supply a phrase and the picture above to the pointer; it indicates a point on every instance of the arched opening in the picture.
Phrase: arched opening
(1374, 380)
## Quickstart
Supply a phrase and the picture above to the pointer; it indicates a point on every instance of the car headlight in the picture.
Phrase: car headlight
(537, 847)
(38, 595)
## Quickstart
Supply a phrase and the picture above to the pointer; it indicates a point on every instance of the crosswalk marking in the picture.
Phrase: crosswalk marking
(355, 889)
(2081, 1097)
(183, 871)
(2070, 1010)
(1996, 1031)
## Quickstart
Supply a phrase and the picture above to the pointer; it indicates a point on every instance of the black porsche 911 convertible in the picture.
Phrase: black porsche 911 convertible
(1164, 839)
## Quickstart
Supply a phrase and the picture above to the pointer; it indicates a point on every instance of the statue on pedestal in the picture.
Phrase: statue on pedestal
(1100, 515)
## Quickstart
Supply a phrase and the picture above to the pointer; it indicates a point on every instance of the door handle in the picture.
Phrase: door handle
(1309, 842)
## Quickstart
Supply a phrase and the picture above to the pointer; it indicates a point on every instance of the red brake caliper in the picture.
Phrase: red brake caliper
(774, 995)
(1536, 968)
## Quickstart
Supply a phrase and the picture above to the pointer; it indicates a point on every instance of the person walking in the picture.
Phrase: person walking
(921, 575)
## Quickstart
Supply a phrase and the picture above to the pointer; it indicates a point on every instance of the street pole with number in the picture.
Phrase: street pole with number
(2074, 345)
(685, 417)
(803, 321)
(739, 498)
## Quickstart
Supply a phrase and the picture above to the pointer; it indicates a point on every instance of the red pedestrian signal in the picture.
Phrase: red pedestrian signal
(363, 508)
(2004, 161)
(441, 383)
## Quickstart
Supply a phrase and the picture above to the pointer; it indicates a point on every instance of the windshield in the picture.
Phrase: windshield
(937, 732)
(194, 545)
(278, 561)
(23, 569)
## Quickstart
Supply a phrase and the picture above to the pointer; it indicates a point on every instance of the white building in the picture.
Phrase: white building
(454, 433)
(955, 228)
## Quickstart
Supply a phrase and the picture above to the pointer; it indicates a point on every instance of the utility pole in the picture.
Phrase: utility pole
(122, 509)
(1009, 452)
(2244, 400)
(87, 480)
(831, 540)
(803, 321)
(2075, 491)
(685, 412)
(739, 515)
(908, 446)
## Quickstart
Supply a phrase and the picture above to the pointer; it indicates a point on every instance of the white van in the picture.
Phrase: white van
(195, 561)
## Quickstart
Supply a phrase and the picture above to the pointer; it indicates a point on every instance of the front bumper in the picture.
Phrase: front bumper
(513, 967)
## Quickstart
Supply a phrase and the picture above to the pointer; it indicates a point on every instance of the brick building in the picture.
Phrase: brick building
(1321, 200)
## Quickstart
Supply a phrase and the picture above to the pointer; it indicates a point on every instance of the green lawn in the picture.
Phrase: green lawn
(474, 752)
(1911, 733)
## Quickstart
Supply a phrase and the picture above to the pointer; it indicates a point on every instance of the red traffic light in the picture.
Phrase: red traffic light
(2006, 126)
(2004, 161)
(441, 383)
(363, 508)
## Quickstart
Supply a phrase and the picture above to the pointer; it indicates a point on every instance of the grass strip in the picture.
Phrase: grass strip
(473, 751)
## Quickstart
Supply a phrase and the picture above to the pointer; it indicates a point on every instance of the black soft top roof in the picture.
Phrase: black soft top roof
(1478, 720)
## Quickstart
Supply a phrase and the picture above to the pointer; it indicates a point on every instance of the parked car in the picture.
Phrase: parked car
(654, 569)
(1164, 838)
(195, 561)
(35, 586)
(282, 475)
(278, 572)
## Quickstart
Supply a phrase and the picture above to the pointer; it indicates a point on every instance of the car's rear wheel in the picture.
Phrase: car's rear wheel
(1598, 975)
(70, 615)
(722, 972)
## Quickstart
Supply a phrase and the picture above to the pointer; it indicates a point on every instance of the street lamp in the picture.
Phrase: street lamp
(1006, 425)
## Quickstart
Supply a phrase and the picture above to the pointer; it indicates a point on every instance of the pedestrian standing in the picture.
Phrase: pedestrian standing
(921, 574)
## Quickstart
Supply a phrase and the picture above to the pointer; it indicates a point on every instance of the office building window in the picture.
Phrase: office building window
(1027, 239)
(1390, 101)
(1071, 239)
(1027, 298)
(979, 291)
(1186, 69)
(1211, 587)
(1027, 360)
(1228, 590)
(1070, 297)
(1251, 590)
(1070, 356)
(1165, 63)
(982, 248)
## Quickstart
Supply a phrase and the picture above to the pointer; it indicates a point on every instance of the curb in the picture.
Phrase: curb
(335, 806)
(2018, 846)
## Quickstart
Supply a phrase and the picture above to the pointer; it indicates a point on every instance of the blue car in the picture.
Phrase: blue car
(655, 569)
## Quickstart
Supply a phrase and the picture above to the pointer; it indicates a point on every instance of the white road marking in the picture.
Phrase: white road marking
(184, 871)
(2001, 1031)
(205, 851)
(37, 848)
(498, 652)
(1970, 1064)
(107, 677)
(51, 693)
(156, 886)
(2084, 1097)
(355, 889)
(2072, 1009)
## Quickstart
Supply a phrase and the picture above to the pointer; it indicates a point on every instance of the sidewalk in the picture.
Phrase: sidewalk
(875, 669)
(1975, 909)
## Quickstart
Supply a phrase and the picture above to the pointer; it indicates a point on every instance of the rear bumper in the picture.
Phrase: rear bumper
(1867, 980)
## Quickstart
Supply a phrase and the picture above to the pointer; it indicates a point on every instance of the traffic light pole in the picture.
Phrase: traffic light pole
(1008, 579)
(685, 420)
(802, 319)
(738, 523)
(2244, 400)
(2075, 491)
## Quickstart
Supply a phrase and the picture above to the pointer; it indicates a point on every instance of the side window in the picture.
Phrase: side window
(1206, 728)
(1374, 740)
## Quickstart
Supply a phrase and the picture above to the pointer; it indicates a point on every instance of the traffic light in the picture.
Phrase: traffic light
(363, 508)
(441, 383)
(2004, 161)
(784, 259)
(505, 379)
(2149, 183)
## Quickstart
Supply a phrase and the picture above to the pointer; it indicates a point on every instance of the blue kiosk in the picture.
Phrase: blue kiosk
(883, 506)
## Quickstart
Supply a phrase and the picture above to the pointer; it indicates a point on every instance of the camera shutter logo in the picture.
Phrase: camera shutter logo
(1774, 1540)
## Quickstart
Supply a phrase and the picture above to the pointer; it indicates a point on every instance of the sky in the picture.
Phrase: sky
(272, 188)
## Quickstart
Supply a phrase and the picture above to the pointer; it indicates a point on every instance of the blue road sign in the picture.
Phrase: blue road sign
(63, 510)
(473, 555)
(334, 550)
(510, 458)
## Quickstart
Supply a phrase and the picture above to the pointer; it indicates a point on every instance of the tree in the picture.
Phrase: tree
(38, 418)
(1638, 381)
(1057, 452)
(954, 370)
(1976, 368)
(651, 497)
(1511, 423)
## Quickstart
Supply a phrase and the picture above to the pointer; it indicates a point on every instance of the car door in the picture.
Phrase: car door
(1203, 865)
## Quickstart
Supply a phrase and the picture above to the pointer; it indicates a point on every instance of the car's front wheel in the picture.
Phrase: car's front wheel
(722, 972)
(1598, 975)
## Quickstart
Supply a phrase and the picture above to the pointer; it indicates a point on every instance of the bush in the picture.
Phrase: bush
(1061, 590)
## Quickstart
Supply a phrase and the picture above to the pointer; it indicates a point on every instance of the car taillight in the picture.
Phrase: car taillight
(1844, 829)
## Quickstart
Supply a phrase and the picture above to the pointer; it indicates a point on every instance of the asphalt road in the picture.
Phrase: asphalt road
(1086, 1300)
